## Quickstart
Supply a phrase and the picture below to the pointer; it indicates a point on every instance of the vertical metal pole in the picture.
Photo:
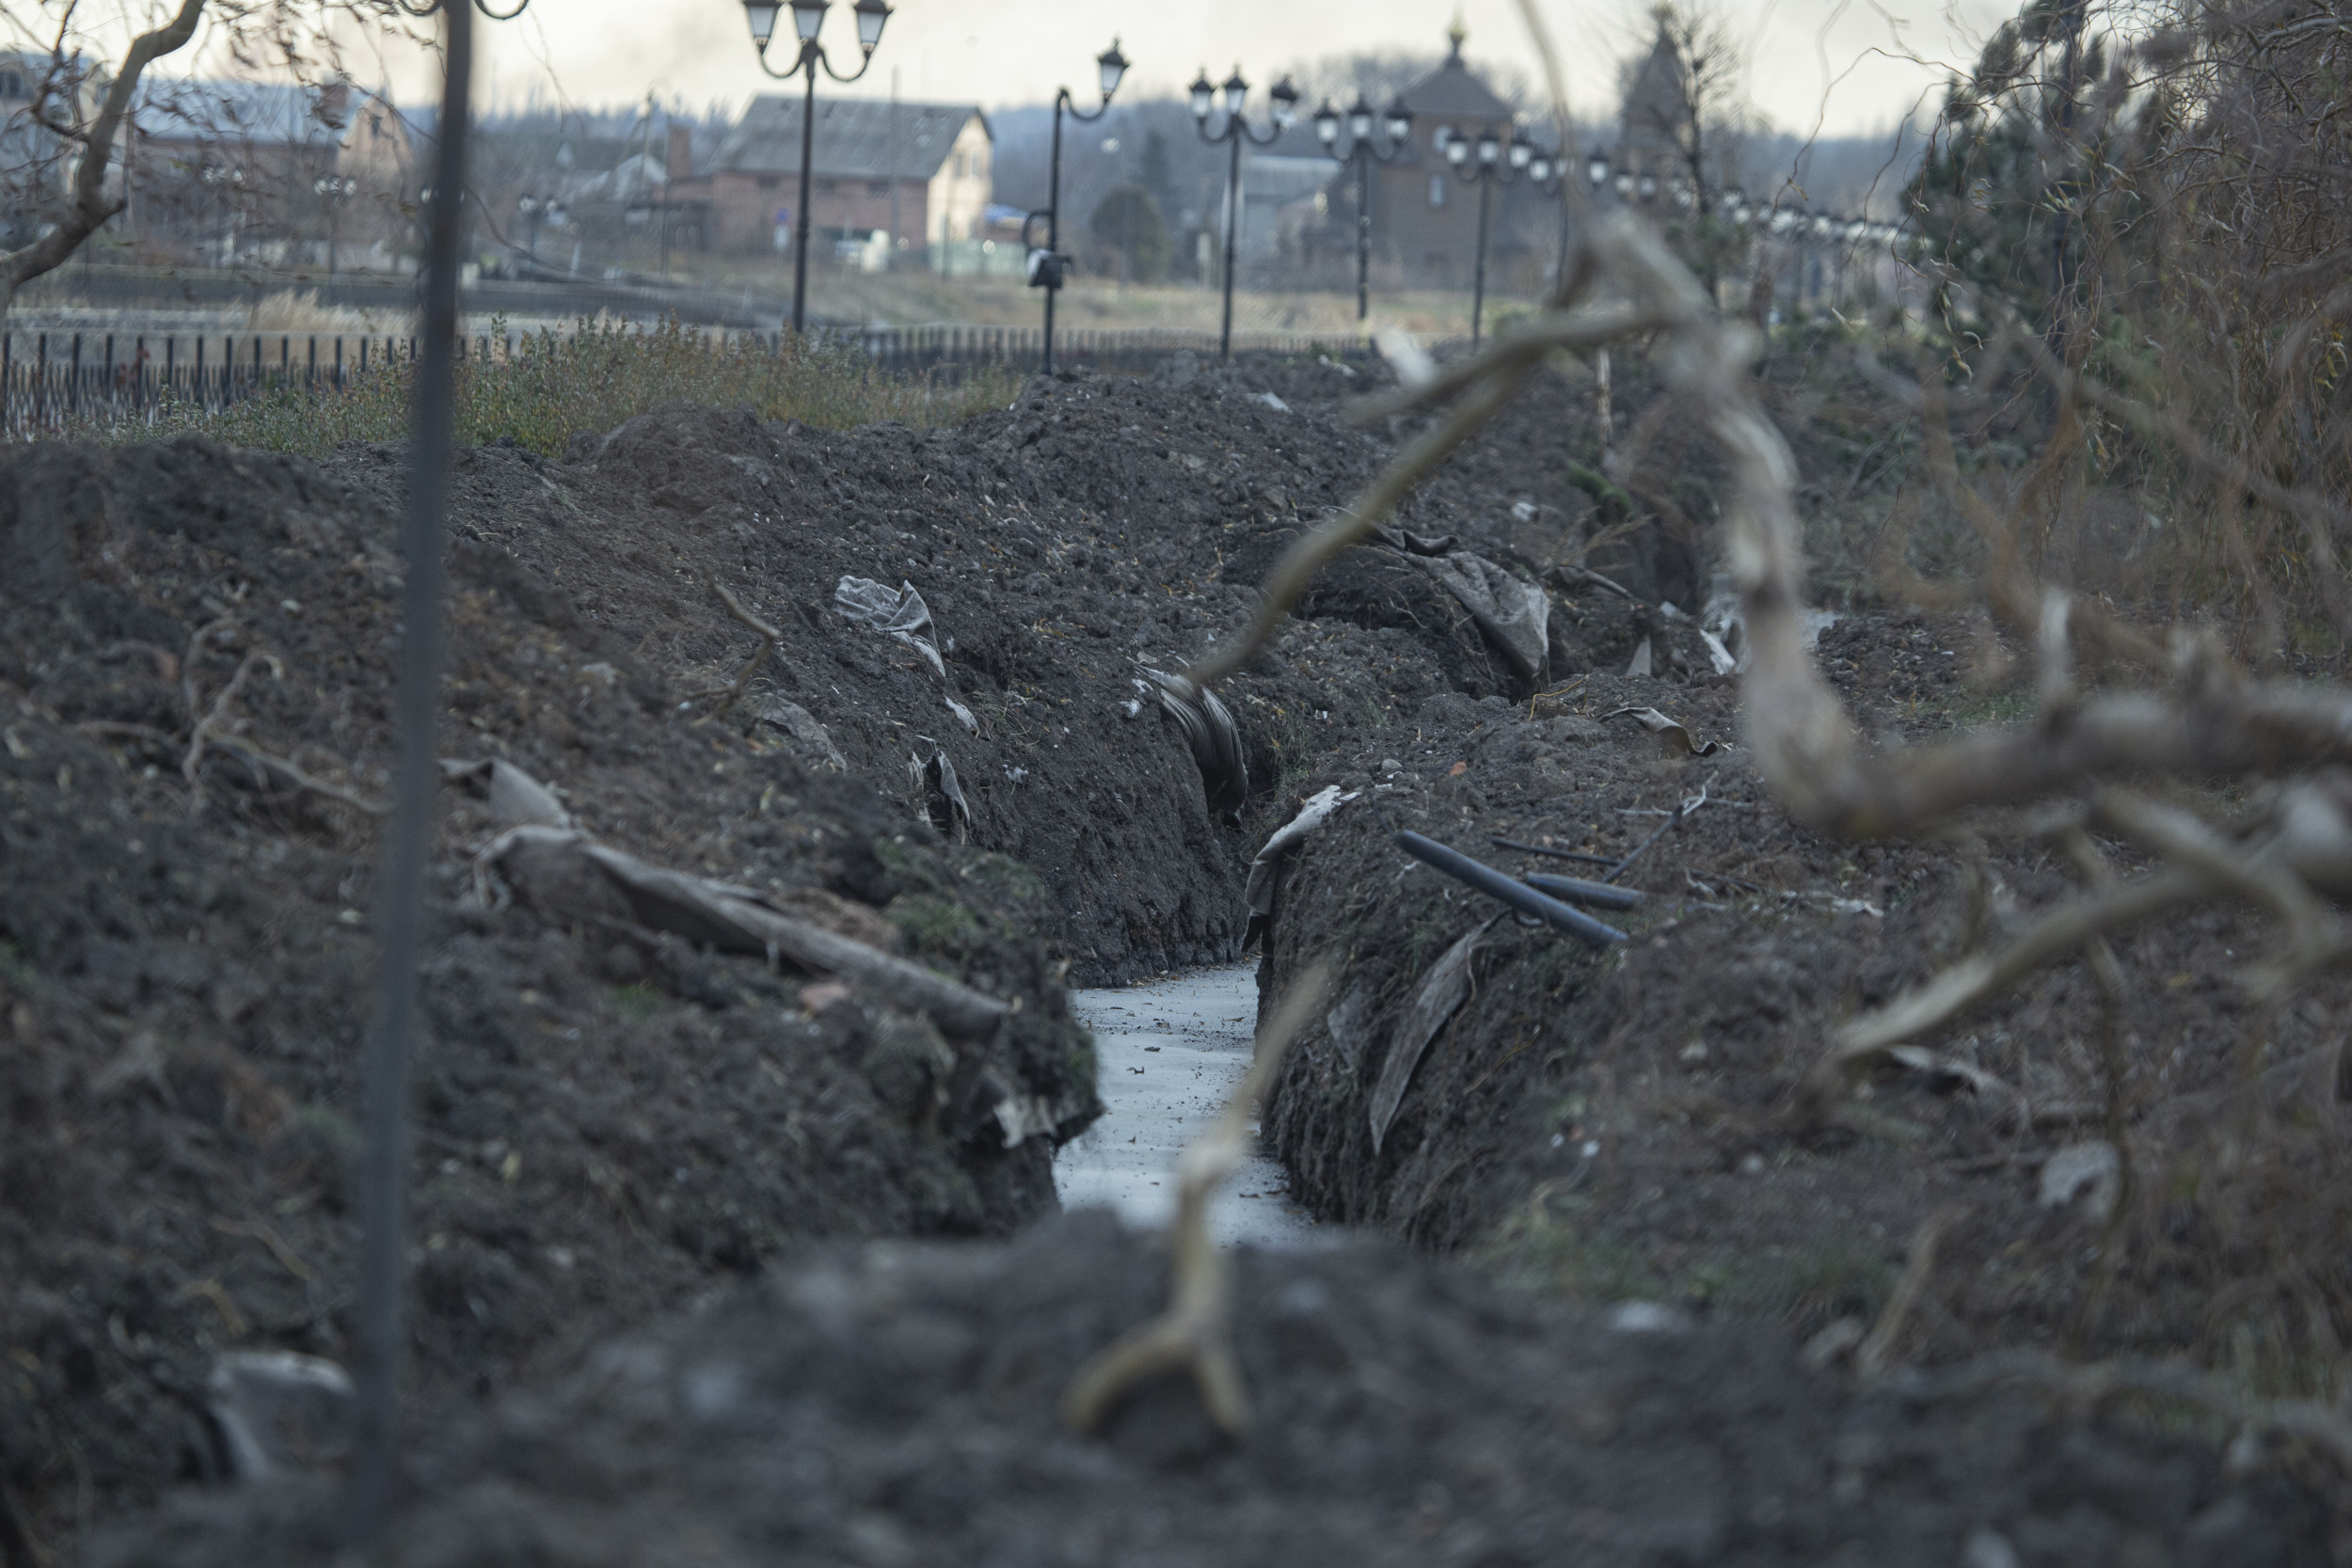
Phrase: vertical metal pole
(1053, 221)
(1478, 285)
(408, 840)
(808, 146)
(1363, 231)
(1232, 231)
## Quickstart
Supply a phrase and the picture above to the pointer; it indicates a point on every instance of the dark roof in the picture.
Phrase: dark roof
(1653, 106)
(1451, 95)
(856, 138)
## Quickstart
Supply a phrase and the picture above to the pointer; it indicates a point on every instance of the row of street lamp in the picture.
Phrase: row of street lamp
(1488, 160)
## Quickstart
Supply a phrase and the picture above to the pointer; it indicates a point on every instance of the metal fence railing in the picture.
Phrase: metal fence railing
(51, 381)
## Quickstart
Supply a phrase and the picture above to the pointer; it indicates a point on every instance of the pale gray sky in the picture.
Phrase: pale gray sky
(1840, 61)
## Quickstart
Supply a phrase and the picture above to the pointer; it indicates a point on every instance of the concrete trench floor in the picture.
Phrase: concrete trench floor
(1169, 1052)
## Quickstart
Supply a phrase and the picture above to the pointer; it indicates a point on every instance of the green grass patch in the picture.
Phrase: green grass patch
(556, 386)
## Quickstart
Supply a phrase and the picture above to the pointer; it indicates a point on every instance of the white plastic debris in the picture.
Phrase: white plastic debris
(2091, 1168)
(278, 1412)
(1272, 402)
(1411, 362)
(899, 611)
(1317, 810)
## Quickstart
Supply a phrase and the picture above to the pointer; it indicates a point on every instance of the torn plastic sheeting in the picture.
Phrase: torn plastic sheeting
(1443, 991)
(1210, 732)
(515, 798)
(1317, 810)
(1419, 543)
(1576, 890)
(1273, 402)
(278, 1411)
(1671, 731)
(939, 775)
(1639, 665)
(1515, 614)
(735, 919)
(899, 611)
(1525, 899)
(963, 715)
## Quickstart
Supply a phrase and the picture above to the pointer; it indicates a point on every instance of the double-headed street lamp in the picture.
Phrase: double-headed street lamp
(1233, 133)
(808, 16)
(1363, 152)
(1048, 265)
(334, 189)
(1495, 162)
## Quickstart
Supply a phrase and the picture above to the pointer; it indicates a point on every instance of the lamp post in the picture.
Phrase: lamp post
(1362, 152)
(808, 16)
(223, 180)
(1487, 163)
(1233, 133)
(333, 189)
(1048, 267)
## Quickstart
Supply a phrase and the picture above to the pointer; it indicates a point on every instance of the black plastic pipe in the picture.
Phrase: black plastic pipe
(1576, 890)
(1511, 890)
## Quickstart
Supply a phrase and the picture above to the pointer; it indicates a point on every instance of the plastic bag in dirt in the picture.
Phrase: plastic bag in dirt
(1515, 616)
(1210, 732)
(899, 611)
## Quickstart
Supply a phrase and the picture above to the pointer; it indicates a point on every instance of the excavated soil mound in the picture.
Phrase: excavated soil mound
(1619, 1121)
(611, 1119)
(195, 657)
(898, 1403)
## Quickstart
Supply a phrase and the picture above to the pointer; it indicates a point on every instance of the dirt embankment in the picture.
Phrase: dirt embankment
(617, 1122)
(612, 1118)
(899, 1405)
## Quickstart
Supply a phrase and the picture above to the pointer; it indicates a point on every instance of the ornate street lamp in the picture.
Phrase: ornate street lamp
(1233, 133)
(1486, 162)
(1048, 267)
(333, 189)
(808, 17)
(1363, 152)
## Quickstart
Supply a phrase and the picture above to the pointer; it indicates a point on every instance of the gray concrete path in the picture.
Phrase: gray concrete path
(1169, 1053)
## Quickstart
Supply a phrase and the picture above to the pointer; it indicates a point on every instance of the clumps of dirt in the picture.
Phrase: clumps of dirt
(899, 1404)
(1617, 1122)
(195, 652)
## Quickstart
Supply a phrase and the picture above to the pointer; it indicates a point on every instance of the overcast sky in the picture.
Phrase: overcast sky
(1853, 65)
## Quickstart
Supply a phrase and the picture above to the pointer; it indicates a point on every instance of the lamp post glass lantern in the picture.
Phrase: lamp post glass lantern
(1048, 267)
(1363, 152)
(1498, 161)
(1237, 130)
(809, 57)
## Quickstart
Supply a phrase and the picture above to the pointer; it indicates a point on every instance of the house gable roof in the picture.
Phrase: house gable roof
(1452, 95)
(855, 138)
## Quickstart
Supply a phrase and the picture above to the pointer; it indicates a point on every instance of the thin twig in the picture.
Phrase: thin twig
(769, 638)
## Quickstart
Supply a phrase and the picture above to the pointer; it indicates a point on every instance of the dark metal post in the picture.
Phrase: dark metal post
(1233, 234)
(1053, 221)
(1478, 285)
(1362, 155)
(808, 146)
(408, 841)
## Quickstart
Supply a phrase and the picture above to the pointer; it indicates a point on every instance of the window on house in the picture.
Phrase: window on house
(1437, 190)
(877, 187)
(770, 181)
(12, 84)
(824, 188)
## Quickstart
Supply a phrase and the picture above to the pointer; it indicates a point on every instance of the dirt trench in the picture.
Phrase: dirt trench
(615, 1119)
(619, 1124)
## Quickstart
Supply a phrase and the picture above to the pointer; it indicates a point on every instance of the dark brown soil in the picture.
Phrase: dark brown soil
(616, 1126)
(1619, 1122)
(899, 1405)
